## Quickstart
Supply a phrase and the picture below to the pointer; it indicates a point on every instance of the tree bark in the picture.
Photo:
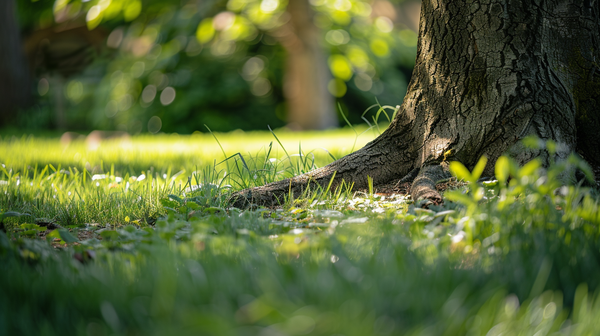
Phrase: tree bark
(309, 104)
(487, 74)
(15, 83)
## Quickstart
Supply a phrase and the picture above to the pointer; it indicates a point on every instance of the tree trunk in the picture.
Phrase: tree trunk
(14, 76)
(487, 74)
(310, 106)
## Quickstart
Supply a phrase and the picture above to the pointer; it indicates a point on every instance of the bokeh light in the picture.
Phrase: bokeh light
(154, 125)
(43, 86)
(167, 96)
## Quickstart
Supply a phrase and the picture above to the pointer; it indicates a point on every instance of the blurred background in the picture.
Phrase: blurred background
(150, 66)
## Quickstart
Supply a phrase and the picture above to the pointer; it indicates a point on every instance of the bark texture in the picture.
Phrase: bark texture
(15, 87)
(487, 74)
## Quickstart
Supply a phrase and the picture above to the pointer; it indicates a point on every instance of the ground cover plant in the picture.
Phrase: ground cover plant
(93, 248)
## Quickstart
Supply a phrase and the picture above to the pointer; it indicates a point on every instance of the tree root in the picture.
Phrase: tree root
(274, 193)
(423, 186)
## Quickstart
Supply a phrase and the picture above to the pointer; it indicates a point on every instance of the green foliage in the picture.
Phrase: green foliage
(177, 67)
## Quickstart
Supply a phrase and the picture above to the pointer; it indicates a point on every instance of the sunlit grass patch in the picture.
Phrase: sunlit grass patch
(83, 182)
(171, 151)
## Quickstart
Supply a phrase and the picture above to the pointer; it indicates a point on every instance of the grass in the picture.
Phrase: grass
(80, 183)
(164, 255)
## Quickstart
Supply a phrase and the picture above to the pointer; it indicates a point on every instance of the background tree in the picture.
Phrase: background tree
(15, 90)
(310, 105)
(487, 74)
(231, 64)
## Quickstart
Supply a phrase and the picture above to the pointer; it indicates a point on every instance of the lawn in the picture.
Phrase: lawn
(135, 236)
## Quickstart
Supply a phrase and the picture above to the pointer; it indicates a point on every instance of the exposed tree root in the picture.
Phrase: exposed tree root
(385, 159)
(274, 193)
(410, 177)
(423, 187)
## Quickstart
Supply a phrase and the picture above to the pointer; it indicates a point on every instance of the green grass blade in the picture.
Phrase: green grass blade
(349, 124)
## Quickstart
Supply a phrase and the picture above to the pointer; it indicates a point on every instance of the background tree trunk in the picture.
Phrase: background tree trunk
(59, 53)
(309, 104)
(487, 74)
(15, 89)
